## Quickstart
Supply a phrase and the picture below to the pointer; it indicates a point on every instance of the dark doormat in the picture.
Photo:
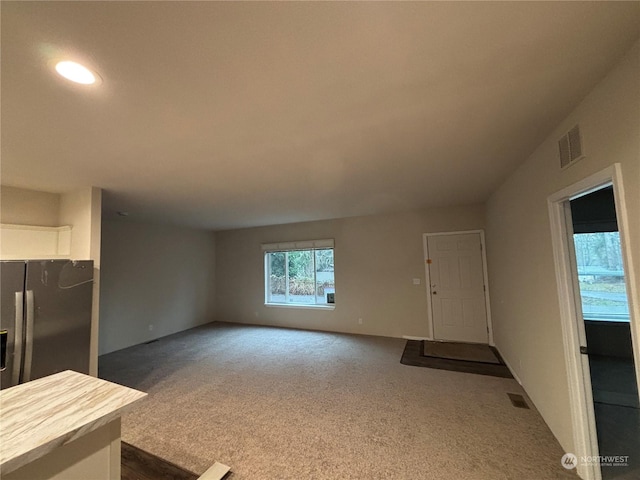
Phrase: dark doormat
(414, 355)
(470, 352)
(140, 465)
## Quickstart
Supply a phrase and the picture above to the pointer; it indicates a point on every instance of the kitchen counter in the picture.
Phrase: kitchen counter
(42, 417)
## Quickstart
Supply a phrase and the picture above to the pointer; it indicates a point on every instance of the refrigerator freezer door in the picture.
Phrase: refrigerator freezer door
(11, 321)
(58, 309)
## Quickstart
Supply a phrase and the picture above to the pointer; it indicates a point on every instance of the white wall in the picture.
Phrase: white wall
(524, 300)
(376, 258)
(82, 210)
(76, 210)
(20, 206)
(79, 209)
(39, 212)
(153, 275)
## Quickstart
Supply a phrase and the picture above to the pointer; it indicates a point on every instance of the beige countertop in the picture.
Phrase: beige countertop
(42, 415)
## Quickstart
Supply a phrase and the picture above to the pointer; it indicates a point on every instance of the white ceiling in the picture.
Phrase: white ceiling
(224, 115)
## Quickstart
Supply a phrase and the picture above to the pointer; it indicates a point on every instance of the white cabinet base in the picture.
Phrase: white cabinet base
(94, 456)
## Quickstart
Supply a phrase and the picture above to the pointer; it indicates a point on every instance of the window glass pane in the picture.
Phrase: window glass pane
(601, 276)
(276, 277)
(301, 277)
(325, 284)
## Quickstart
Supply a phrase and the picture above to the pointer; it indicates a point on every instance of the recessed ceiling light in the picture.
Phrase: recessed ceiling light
(76, 73)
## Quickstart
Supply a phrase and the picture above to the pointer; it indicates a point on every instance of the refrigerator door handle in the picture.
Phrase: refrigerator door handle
(17, 341)
(28, 351)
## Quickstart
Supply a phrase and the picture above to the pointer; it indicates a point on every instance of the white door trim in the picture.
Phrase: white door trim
(580, 394)
(425, 247)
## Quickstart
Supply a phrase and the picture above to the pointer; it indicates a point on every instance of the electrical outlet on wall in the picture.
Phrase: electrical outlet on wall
(151, 327)
(359, 321)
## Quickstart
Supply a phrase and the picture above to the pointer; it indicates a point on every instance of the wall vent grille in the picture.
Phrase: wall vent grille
(570, 147)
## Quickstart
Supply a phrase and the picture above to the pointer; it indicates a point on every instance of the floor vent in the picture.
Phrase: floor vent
(517, 400)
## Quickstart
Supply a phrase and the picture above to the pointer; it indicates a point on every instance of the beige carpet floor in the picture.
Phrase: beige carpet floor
(288, 404)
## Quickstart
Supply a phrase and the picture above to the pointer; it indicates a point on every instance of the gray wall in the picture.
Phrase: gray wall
(153, 275)
(376, 258)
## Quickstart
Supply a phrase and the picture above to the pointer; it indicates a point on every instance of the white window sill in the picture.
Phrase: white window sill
(301, 305)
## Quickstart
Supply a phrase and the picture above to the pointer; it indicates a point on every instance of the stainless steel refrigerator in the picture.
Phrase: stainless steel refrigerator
(45, 323)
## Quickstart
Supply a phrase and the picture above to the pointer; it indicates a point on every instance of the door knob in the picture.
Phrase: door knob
(435, 293)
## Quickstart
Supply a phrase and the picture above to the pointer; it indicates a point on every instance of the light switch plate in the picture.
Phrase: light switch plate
(416, 281)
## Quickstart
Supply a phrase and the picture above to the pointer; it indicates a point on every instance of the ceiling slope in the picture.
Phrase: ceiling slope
(232, 114)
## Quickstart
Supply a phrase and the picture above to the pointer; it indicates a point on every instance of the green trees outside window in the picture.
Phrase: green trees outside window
(601, 276)
(299, 276)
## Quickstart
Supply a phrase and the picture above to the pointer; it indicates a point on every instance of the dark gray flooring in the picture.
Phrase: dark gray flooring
(138, 464)
(617, 414)
(613, 381)
(619, 434)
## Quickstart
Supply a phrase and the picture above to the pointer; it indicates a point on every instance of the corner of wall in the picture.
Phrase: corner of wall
(95, 255)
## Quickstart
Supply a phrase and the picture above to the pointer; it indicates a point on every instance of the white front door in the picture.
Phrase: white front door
(457, 289)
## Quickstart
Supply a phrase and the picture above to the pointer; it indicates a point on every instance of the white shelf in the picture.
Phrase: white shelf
(27, 242)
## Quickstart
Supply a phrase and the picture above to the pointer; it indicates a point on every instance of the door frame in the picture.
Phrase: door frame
(580, 393)
(487, 304)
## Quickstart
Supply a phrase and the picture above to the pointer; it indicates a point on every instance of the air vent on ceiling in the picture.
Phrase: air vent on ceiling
(570, 147)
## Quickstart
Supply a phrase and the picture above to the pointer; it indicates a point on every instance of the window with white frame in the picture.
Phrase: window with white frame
(299, 273)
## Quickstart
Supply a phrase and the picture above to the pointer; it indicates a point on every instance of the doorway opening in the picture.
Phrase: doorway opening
(599, 312)
(605, 312)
